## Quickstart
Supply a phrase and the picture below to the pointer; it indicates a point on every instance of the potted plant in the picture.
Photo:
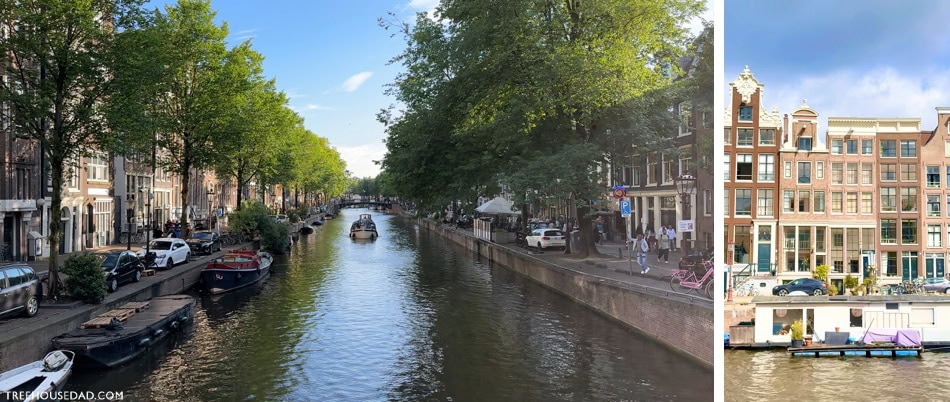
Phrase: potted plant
(851, 283)
(798, 334)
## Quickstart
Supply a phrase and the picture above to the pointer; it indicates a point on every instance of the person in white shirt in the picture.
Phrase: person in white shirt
(642, 249)
(671, 233)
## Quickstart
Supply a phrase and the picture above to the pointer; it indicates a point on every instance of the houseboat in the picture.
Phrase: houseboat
(235, 270)
(364, 228)
(846, 319)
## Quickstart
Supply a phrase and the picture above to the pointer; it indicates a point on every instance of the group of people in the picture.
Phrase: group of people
(663, 241)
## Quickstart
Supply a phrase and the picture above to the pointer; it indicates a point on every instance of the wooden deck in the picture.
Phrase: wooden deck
(122, 313)
(856, 350)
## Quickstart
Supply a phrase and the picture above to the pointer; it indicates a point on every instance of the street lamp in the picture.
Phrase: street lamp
(686, 185)
(210, 199)
(130, 217)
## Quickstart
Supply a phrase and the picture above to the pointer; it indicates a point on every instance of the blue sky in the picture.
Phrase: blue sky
(848, 58)
(331, 58)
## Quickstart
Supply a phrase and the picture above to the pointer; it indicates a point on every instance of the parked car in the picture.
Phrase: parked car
(121, 266)
(281, 218)
(168, 252)
(545, 238)
(810, 286)
(205, 242)
(937, 285)
(19, 287)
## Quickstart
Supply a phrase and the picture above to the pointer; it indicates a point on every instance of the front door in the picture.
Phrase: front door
(764, 263)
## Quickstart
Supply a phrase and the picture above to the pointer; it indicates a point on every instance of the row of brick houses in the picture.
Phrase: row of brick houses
(873, 195)
(98, 198)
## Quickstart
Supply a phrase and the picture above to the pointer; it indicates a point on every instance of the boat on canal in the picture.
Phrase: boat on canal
(235, 270)
(41, 377)
(364, 228)
(121, 335)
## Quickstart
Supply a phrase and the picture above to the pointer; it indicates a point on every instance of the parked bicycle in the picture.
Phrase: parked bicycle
(747, 289)
(690, 281)
(137, 237)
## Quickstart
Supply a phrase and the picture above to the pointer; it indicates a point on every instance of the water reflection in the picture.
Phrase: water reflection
(405, 317)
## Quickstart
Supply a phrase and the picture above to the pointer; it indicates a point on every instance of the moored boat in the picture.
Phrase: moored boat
(119, 342)
(364, 228)
(235, 270)
(30, 382)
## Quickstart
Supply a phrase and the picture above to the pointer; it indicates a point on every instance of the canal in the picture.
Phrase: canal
(773, 375)
(406, 317)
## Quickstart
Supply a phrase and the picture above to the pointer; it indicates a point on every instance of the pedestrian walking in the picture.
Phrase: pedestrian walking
(643, 249)
(664, 249)
(672, 234)
(600, 232)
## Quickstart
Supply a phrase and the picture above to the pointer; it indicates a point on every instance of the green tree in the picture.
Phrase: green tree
(56, 52)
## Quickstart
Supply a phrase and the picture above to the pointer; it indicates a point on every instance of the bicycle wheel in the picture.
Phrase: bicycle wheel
(710, 288)
(124, 238)
(675, 284)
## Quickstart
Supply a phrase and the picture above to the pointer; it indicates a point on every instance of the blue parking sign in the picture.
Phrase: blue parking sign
(625, 208)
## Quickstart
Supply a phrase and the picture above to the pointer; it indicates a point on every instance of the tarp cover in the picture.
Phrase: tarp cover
(901, 337)
(497, 206)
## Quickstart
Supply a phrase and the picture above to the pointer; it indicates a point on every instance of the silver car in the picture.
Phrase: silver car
(937, 285)
(18, 290)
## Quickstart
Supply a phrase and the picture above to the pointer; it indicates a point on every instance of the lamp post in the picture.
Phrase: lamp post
(130, 217)
(148, 214)
(686, 185)
(210, 199)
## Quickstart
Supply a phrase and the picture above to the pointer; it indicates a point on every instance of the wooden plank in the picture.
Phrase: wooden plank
(122, 314)
(148, 272)
(137, 306)
(98, 322)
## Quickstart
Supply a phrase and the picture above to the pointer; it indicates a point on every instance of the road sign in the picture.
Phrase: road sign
(619, 192)
(625, 208)
(220, 212)
(686, 226)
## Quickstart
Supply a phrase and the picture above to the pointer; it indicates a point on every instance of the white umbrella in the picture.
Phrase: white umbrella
(497, 206)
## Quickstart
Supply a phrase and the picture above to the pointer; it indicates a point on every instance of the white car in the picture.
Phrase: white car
(168, 251)
(281, 218)
(545, 238)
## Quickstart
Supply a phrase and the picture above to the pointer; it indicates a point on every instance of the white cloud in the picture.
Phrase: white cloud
(312, 106)
(353, 83)
(423, 5)
(359, 159)
(880, 92)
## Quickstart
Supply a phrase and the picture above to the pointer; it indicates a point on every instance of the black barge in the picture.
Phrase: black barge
(121, 341)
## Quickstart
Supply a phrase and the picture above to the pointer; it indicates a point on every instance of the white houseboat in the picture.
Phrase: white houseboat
(852, 314)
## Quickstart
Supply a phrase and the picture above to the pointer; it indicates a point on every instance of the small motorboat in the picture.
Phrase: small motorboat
(120, 335)
(235, 270)
(317, 222)
(33, 380)
(364, 228)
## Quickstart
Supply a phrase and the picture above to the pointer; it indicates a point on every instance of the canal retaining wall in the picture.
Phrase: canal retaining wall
(685, 327)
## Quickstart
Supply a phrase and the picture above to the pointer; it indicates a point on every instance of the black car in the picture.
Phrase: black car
(19, 287)
(204, 242)
(120, 267)
(810, 286)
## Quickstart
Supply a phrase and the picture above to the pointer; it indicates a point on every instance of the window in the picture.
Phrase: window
(819, 201)
(685, 162)
(767, 136)
(888, 231)
(766, 200)
(852, 147)
(889, 199)
(908, 172)
(933, 176)
(946, 149)
(819, 240)
(837, 173)
(744, 167)
(836, 147)
(857, 318)
(867, 173)
(889, 172)
(743, 201)
(743, 246)
(820, 170)
(909, 262)
(788, 169)
(97, 168)
(651, 168)
(635, 174)
(707, 202)
(852, 203)
(804, 198)
(726, 167)
(852, 173)
(837, 202)
(908, 231)
(686, 118)
(908, 199)
(668, 172)
(804, 144)
(745, 113)
(745, 137)
(933, 205)
(727, 136)
(908, 149)
(867, 202)
(788, 201)
(725, 203)
(804, 172)
(766, 167)
(933, 236)
(888, 148)
(867, 147)
(889, 263)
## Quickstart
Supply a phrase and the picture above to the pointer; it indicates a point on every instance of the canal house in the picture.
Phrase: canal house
(852, 314)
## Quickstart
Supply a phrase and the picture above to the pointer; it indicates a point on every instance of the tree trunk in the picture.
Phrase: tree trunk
(587, 246)
(185, 171)
(55, 223)
(240, 187)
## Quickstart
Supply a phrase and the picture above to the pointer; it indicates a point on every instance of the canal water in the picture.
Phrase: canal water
(774, 376)
(406, 317)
